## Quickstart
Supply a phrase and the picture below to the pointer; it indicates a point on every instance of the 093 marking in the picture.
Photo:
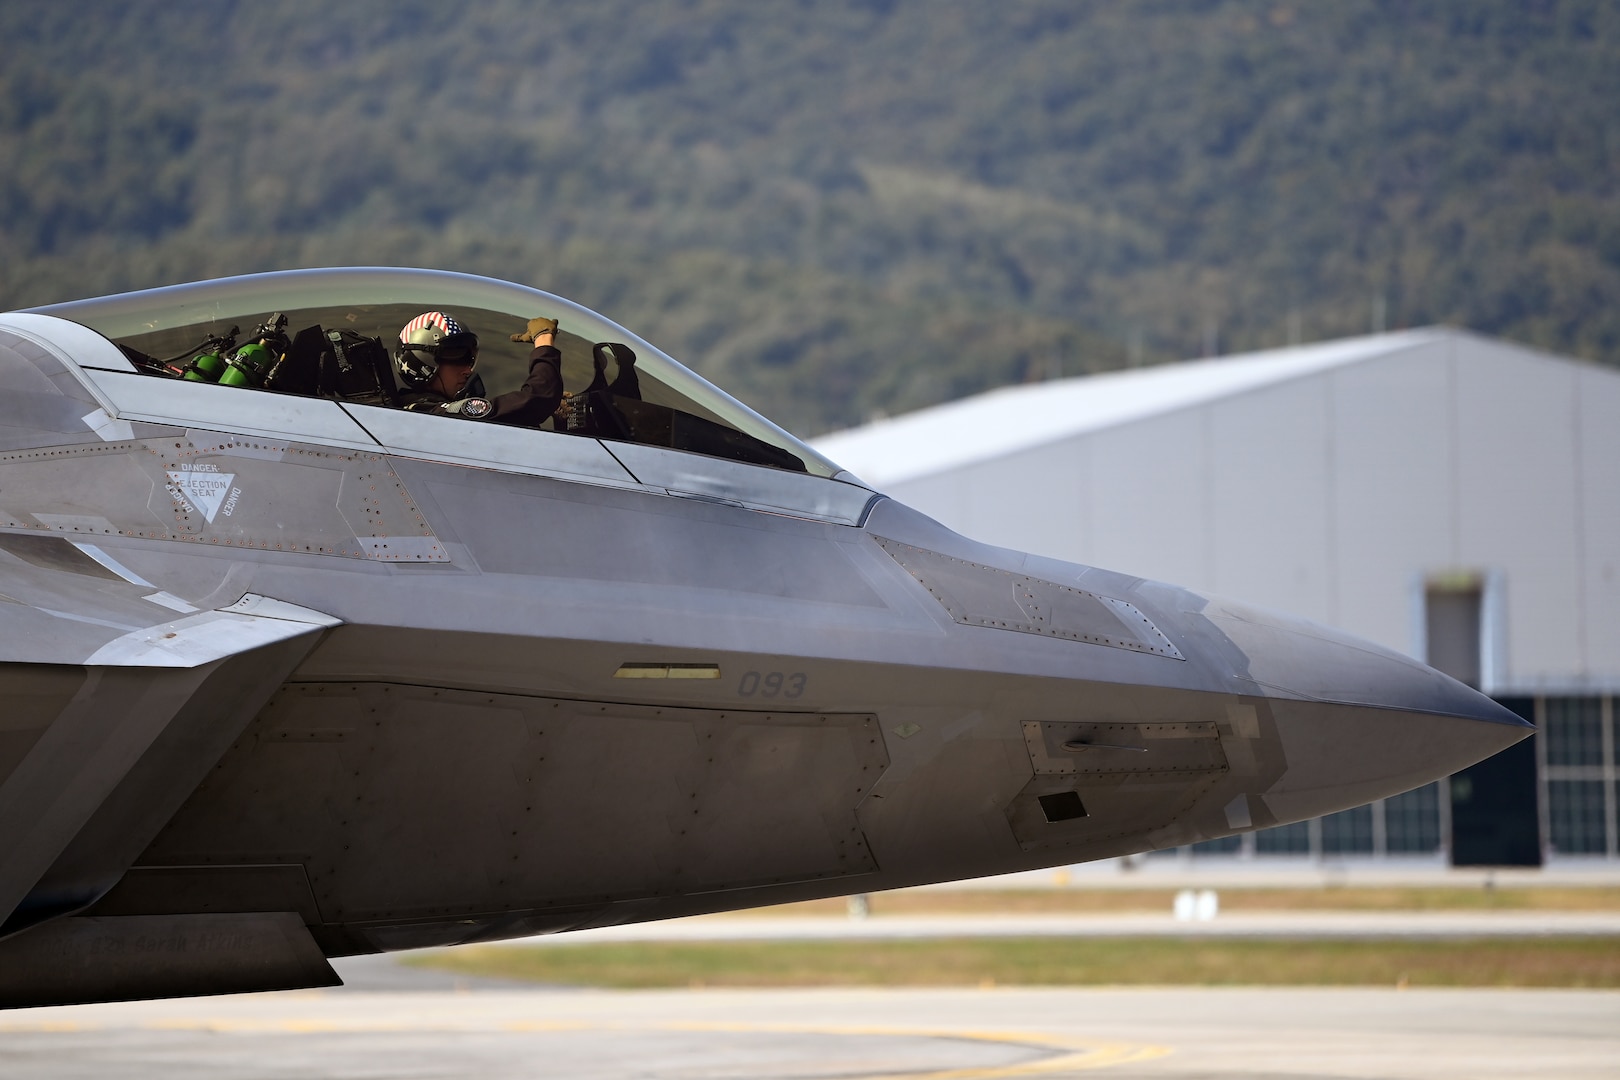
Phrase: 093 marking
(772, 684)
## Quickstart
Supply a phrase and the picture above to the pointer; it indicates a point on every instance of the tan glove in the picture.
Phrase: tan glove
(535, 328)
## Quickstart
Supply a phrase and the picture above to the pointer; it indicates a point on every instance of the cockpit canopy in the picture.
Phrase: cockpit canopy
(676, 408)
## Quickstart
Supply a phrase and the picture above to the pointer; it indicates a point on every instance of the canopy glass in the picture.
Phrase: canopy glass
(675, 408)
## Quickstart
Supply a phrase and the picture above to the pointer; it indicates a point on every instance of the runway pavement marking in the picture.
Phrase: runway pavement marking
(1068, 1054)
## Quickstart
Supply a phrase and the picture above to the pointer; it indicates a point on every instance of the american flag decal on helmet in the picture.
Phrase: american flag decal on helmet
(445, 323)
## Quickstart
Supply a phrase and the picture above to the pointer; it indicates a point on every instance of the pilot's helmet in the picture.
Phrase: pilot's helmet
(431, 339)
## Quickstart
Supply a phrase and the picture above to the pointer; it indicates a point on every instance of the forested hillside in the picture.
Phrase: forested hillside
(840, 208)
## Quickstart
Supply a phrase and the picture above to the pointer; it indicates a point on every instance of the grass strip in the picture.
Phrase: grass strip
(1494, 962)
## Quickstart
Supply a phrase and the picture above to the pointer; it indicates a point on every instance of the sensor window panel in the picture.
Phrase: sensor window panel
(980, 595)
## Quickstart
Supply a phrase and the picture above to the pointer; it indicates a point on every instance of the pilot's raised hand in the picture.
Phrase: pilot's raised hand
(537, 328)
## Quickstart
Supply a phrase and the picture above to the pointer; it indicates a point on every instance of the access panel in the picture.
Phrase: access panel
(410, 802)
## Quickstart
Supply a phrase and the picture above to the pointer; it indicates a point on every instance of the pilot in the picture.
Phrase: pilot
(435, 361)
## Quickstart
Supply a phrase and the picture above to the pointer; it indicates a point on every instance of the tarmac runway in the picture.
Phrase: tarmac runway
(393, 1021)
(400, 1022)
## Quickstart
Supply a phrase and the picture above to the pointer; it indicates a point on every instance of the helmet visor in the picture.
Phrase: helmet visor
(460, 349)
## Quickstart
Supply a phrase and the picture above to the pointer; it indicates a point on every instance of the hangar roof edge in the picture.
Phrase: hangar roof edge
(1014, 418)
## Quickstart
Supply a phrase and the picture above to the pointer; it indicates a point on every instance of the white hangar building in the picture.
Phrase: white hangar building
(1442, 493)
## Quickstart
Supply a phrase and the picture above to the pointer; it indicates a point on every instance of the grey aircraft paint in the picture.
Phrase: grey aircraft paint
(290, 677)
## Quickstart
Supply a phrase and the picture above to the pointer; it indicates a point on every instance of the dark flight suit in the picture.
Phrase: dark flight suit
(530, 405)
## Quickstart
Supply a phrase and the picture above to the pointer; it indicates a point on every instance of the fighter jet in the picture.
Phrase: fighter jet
(292, 673)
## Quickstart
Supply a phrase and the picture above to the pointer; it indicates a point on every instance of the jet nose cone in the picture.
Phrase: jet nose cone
(1291, 657)
(1355, 721)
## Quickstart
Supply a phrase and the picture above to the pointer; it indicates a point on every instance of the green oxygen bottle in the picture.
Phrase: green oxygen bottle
(248, 367)
(207, 367)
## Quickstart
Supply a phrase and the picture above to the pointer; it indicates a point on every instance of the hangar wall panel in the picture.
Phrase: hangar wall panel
(1150, 489)
(1516, 498)
(1031, 500)
(1392, 466)
(1269, 521)
(1599, 397)
(939, 496)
